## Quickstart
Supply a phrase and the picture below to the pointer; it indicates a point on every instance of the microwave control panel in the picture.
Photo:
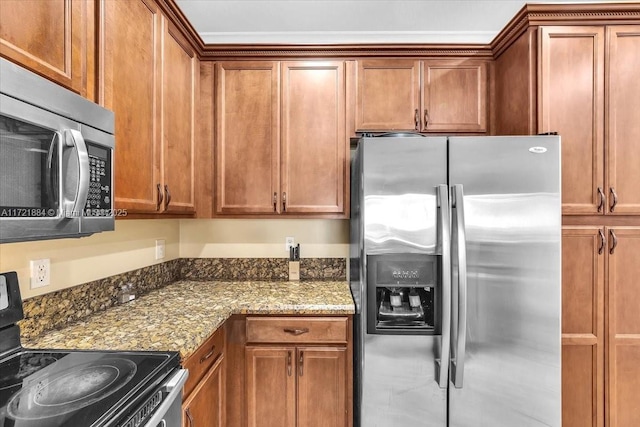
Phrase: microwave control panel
(99, 200)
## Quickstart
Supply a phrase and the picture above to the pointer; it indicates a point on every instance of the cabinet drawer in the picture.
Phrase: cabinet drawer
(205, 356)
(297, 329)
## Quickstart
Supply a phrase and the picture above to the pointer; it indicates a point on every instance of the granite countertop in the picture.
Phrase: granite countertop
(181, 316)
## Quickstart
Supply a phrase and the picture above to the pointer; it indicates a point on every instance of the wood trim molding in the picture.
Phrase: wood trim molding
(175, 15)
(275, 52)
(564, 14)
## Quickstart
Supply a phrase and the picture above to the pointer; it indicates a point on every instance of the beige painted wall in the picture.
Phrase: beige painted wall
(132, 246)
(76, 261)
(262, 238)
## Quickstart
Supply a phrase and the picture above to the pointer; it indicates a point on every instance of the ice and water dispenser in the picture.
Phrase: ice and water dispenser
(403, 294)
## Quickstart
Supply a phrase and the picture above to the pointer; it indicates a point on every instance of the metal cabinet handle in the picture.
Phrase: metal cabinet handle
(301, 362)
(190, 418)
(275, 201)
(602, 242)
(168, 198)
(460, 291)
(426, 117)
(160, 197)
(416, 118)
(445, 236)
(296, 331)
(615, 199)
(289, 363)
(600, 199)
(284, 201)
(614, 241)
(209, 354)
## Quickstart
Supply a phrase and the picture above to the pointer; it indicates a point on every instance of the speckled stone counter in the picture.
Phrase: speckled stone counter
(181, 316)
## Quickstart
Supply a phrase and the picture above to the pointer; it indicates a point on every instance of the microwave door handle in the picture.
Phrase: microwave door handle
(460, 312)
(51, 189)
(75, 208)
(444, 224)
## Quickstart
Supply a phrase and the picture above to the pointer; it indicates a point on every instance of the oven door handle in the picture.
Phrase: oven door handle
(75, 208)
(174, 388)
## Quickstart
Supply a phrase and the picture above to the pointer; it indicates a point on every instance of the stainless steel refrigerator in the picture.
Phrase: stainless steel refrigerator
(455, 271)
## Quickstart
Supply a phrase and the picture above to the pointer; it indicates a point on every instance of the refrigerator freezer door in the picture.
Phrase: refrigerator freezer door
(400, 176)
(512, 220)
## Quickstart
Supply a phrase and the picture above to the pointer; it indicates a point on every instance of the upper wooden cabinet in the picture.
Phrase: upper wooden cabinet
(53, 38)
(424, 96)
(149, 81)
(584, 87)
(281, 144)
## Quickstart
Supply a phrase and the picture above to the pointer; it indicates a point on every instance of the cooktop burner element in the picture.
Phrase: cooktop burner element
(72, 389)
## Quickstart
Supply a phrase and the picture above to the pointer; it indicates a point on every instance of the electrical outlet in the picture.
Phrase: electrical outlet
(289, 242)
(160, 249)
(40, 273)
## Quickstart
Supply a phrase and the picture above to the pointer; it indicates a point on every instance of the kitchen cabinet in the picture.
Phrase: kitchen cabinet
(54, 38)
(203, 394)
(589, 95)
(297, 371)
(150, 83)
(426, 96)
(600, 308)
(281, 143)
(583, 317)
(623, 318)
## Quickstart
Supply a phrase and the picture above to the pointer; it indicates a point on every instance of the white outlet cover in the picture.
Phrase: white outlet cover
(289, 242)
(40, 273)
(160, 246)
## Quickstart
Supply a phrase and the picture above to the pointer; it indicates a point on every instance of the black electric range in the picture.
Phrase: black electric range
(77, 388)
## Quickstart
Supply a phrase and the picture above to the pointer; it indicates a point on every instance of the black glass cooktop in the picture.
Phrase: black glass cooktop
(77, 388)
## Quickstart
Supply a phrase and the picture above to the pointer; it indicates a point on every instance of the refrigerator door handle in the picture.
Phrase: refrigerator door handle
(443, 220)
(460, 312)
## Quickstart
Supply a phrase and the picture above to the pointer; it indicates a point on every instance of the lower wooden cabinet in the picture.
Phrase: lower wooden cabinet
(205, 405)
(296, 386)
(203, 402)
(600, 326)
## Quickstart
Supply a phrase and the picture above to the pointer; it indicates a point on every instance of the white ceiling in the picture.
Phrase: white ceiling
(351, 21)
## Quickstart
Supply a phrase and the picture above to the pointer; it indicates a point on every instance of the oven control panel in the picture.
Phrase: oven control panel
(99, 200)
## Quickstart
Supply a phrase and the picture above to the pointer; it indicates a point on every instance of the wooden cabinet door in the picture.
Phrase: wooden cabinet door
(623, 120)
(314, 142)
(454, 96)
(271, 386)
(204, 407)
(131, 69)
(179, 68)
(583, 260)
(322, 387)
(49, 37)
(388, 95)
(571, 102)
(247, 138)
(623, 406)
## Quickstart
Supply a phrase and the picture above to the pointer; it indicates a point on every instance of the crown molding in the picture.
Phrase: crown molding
(533, 15)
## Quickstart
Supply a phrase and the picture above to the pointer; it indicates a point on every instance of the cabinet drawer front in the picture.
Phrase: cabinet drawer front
(205, 356)
(297, 329)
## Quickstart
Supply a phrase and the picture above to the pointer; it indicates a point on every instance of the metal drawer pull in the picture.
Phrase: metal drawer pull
(275, 201)
(426, 118)
(190, 418)
(602, 242)
(615, 198)
(614, 242)
(301, 362)
(289, 363)
(600, 199)
(296, 331)
(284, 201)
(416, 118)
(208, 355)
(168, 198)
(160, 197)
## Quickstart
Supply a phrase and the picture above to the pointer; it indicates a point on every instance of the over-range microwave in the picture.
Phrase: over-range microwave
(56, 160)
